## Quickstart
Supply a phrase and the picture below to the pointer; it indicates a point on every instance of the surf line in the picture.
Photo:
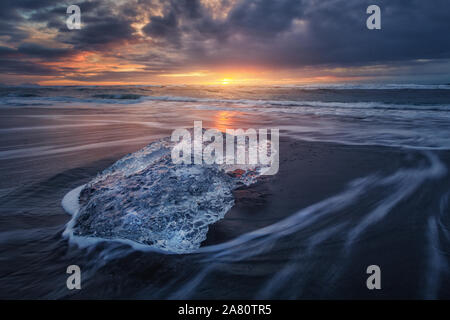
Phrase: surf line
(255, 152)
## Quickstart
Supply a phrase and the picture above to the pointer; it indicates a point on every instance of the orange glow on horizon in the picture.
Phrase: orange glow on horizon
(87, 68)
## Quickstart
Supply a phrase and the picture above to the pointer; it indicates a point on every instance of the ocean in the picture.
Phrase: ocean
(363, 181)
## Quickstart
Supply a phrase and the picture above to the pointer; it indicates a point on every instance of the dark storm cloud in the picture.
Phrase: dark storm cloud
(14, 10)
(162, 27)
(181, 18)
(15, 13)
(269, 33)
(264, 17)
(19, 61)
(410, 30)
(19, 67)
(101, 27)
(295, 33)
(35, 50)
(103, 22)
(7, 52)
(98, 33)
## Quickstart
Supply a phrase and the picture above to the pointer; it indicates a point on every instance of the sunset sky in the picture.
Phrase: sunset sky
(223, 42)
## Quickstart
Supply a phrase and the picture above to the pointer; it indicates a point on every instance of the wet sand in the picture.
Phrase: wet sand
(402, 214)
(309, 172)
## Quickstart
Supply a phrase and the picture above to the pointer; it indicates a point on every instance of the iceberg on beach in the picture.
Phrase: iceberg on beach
(147, 199)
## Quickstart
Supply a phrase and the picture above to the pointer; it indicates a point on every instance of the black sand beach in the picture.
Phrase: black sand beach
(308, 232)
(310, 172)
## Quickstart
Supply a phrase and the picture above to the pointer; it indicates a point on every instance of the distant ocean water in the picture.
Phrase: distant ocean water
(363, 178)
(408, 115)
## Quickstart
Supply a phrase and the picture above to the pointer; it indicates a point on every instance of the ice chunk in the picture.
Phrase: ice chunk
(147, 199)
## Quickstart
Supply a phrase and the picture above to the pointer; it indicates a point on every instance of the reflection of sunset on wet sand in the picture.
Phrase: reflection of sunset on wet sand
(225, 120)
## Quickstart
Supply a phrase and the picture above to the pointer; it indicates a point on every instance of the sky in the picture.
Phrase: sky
(223, 42)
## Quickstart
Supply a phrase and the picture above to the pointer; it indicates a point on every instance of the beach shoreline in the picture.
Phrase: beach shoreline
(379, 196)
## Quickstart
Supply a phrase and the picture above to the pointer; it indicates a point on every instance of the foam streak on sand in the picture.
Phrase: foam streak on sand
(438, 236)
(402, 183)
(50, 150)
(259, 242)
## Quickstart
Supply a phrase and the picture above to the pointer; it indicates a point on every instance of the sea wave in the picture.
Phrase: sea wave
(370, 105)
(135, 96)
(126, 96)
(369, 86)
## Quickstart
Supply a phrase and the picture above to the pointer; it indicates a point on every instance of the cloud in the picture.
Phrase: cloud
(171, 35)
(23, 67)
(109, 30)
(36, 50)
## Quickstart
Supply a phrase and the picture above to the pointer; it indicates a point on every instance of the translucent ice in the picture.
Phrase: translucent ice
(147, 199)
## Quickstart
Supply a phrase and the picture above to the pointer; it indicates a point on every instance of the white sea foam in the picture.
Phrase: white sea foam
(438, 236)
(53, 127)
(51, 150)
(141, 99)
(71, 201)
